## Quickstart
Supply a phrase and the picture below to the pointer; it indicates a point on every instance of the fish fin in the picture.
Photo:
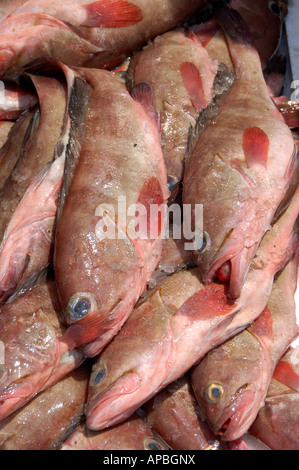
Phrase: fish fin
(151, 194)
(285, 374)
(263, 325)
(193, 84)
(203, 32)
(33, 281)
(112, 14)
(143, 94)
(256, 146)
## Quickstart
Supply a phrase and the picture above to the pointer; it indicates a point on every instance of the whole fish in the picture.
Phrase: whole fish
(5, 128)
(14, 100)
(231, 382)
(39, 149)
(55, 411)
(99, 33)
(264, 19)
(277, 424)
(181, 74)
(34, 358)
(175, 415)
(239, 176)
(11, 150)
(182, 320)
(104, 256)
(27, 244)
(133, 434)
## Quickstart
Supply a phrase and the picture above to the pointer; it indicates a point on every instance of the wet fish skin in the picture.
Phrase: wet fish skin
(56, 411)
(102, 33)
(181, 74)
(11, 150)
(177, 325)
(109, 274)
(230, 171)
(133, 434)
(5, 128)
(34, 357)
(277, 422)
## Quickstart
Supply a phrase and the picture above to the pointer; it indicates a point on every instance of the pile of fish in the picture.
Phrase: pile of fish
(149, 226)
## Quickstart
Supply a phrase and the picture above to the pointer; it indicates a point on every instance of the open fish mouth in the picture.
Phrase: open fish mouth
(237, 415)
(232, 267)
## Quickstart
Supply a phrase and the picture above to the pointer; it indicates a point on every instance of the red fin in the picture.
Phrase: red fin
(285, 374)
(256, 146)
(193, 84)
(150, 194)
(208, 303)
(234, 26)
(263, 326)
(112, 14)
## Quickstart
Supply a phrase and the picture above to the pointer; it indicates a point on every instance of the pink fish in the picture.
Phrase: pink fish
(241, 166)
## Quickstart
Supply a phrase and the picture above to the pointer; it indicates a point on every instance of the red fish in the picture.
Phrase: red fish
(101, 275)
(14, 100)
(241, 166)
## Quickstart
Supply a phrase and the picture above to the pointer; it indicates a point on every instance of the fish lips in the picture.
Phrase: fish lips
(238, 415)
(113, 405)
(14, 396)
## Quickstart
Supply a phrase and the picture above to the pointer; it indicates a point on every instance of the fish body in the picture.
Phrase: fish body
(133, 434)
(181, 74)
(34, 358)
(101, 276)
(277, 424)
(101, 33)
(240, 177)
(5, 128)
(56, 411)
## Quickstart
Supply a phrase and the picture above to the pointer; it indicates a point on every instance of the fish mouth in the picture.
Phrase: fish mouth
(111, 406)
(238, 414)
(232, 267)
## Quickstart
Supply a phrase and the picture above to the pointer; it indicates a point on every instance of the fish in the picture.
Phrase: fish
(57, 411)
(265, 22)
(14, 100)
(28, 241)
(231, 382)
(105, 254)
(239, 177)
(181, 74)
(277, 422)
(101, 34)
(178, 324)
(176, 416)
(39, 149)
(34, 357)
(134, 434)
(10, 151)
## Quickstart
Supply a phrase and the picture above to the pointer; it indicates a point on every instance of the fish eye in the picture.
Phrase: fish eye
(150, 443)
(213, 393)
(204, 243)
(98, 373)
(80, 305)
(274, 7)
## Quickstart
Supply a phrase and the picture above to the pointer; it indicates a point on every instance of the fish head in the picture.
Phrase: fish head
(226, 230)
(228, 386)
(29, 351)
